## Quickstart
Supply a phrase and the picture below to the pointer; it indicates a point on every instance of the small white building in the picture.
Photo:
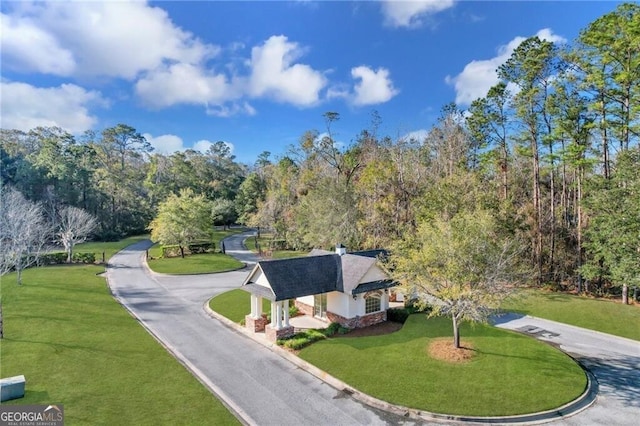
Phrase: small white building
(347, 288)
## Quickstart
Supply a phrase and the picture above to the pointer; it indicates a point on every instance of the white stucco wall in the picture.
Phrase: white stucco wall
(344, 305)
(307, 300)
(260, 279)
(373, 274)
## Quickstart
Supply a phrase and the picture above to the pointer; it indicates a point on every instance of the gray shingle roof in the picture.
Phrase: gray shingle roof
(301, 276)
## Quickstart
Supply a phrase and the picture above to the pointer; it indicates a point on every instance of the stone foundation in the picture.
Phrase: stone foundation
(356, 322)
(255, 324)
(273, 335)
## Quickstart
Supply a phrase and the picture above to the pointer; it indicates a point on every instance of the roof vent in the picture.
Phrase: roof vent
(341, 250)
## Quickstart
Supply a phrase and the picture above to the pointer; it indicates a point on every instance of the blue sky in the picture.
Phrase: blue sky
(257, 75)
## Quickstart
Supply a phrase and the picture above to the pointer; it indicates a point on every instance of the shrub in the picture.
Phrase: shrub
(170, 251)
(302, 339)
(332, 329)
(55, 258)
(84, 257)
(278, 244)
(293, 311)
(202, 247)
(398, 314)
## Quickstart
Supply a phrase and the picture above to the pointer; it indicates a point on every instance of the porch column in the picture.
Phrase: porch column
(279, 313)
(258, 306)
(274, 313)
(253, 306)
(285, 306)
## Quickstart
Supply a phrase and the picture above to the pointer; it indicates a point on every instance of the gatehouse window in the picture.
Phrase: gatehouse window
(372, 303)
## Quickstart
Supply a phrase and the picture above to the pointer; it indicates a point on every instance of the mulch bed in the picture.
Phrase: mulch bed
(444, 350)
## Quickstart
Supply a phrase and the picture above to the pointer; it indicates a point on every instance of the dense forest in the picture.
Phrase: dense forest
(552, 152)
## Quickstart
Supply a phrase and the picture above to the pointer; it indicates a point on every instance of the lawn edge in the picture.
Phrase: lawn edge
(577, 328)
(581, 403)
(237, 412)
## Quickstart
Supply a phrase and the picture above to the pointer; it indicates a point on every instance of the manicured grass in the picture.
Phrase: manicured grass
(109, 248)
(510, 374)
(602, 315)
(250, 242)
(235, 304)
(78, 347)
(195, 264)
(219, 235)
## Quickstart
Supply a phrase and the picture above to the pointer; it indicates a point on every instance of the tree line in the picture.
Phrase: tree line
(551, 153)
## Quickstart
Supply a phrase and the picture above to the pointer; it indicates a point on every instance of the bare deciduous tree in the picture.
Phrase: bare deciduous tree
(23, 232)
(74, 226)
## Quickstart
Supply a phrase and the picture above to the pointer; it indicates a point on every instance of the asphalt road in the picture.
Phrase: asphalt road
(265, 389)
(614, 361)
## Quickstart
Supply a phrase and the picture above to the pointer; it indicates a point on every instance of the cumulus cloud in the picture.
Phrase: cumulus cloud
(165, 144)
(373, 87)
(26, 46)
(416, 135)
(167, 66)
(25, 106)
(169, 144)
(114, 39)
(183, 83)
(478, 76)
(275, 75)
(411, 14)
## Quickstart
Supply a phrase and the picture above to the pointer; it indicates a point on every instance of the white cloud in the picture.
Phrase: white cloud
(25, 107)
(374, 87)
(165, 144)
(202, 145)
(26, 46)
(115, 39)
(275, 75)
(411, 14)
(478, 76)
(416, 135)
(231, 109)
(169, 144)
(183, 83)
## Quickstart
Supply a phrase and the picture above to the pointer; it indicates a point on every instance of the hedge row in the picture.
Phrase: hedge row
(60, 258)
(195, 248)
(305, 338)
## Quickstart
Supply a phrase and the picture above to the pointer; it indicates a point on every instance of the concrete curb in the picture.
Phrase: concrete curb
(584, 401)
(238, 412)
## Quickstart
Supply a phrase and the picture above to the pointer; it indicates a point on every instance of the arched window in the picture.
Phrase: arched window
(372, 303)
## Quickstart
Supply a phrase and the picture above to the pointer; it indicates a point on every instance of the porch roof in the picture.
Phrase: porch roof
(373, 285)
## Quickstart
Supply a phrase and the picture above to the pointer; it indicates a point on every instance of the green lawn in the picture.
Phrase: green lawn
(511, 373)
(195, 264)
(109, 248)
(235, 304)
(78, 347)
(250, 242)
(602, 315)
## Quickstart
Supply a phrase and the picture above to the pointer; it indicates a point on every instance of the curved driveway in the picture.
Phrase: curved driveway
(262, 387)
(265, 389)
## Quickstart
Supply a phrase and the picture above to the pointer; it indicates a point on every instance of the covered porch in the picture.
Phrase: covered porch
(280, 326)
